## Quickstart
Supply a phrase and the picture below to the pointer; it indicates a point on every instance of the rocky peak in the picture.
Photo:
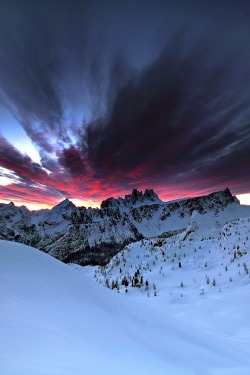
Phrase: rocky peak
(138, 197)
(133, 199)
(151, 195)
(66, 204)
(11, 205)
(110, 203)
(136, 193)
(223, 197)
(9, 208)
(88, 236)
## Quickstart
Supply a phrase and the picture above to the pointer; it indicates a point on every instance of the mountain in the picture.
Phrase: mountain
(177, 267)
(135, 199)
(93, 236)
(169, 296)
(55, 319)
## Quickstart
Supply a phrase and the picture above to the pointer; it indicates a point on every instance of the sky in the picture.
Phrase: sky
(100, 97)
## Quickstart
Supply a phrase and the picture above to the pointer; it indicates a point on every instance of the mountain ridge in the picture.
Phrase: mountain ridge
(94, 235)
(148, 193)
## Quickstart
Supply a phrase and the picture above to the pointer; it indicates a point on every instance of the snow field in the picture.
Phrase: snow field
(55, 320)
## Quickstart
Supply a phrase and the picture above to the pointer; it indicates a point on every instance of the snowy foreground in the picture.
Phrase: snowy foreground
(56, 320)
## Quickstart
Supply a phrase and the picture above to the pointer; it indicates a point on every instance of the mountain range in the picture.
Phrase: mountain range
(166, 290)
(92, 236)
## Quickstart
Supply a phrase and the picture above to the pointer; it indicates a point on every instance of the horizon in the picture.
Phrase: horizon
(99, 97)
(244, 200)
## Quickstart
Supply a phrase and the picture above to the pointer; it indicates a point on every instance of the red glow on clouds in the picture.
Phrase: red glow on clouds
(71, 177)
(87, 193)
(33, 199)
(105, 124)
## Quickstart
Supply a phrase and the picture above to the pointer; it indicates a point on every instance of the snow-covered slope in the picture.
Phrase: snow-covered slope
(94, 236)
(203, 260)
(54, 320)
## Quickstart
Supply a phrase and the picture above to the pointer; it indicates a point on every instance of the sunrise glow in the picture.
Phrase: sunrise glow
(156, 108)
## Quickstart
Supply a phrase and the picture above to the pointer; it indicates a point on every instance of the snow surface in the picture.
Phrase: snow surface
(56, 320)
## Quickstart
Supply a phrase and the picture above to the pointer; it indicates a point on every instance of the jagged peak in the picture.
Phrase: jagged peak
(139, 195)
(66, 203)
(136, 193)
(136, 197)
(11, 204)
(150, 193)
(225, 191)
(225, 196)
(213, 201)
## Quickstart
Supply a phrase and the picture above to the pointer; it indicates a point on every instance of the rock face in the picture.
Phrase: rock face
(94, 236)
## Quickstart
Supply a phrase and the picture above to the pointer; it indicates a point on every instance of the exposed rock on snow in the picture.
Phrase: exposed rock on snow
(94, 236)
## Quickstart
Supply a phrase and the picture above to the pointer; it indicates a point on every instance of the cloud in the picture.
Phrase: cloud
(73, 161)
(119, 94)
(29, 175)
(22, 165)
(29, 194)
(40, 46)
(182, 117)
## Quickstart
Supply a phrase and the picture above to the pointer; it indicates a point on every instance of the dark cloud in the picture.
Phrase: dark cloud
(22, 165)
(184, 114)
(38, 49)
(73, 161)
(30, 176)
(122, 94)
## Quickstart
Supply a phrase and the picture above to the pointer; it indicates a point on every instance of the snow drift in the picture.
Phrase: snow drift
(54, 320)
